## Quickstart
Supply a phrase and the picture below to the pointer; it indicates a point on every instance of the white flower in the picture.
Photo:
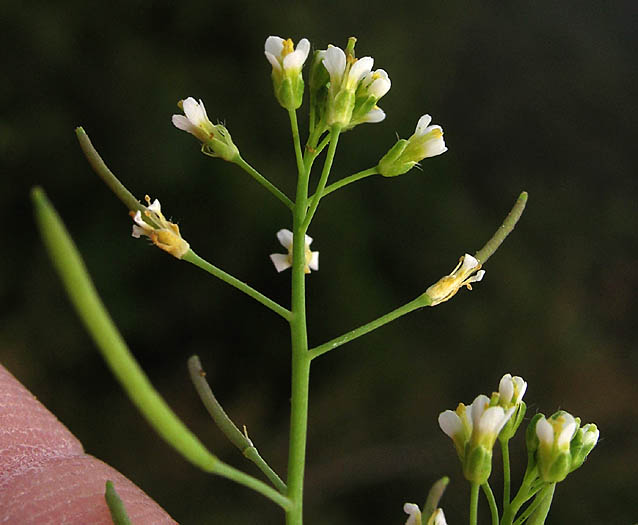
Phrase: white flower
(556, 432)
(163, 233)
(376, 83)
(426, 141)
(466, 272)
(195, 120)
(478, 423)
(511, 390)
(345, 74)
(487, 421)
(283, 56)
(414, 514)
(215, 138)
(284, 261)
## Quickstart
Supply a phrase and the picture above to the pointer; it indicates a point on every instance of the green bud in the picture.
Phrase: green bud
(582, 444)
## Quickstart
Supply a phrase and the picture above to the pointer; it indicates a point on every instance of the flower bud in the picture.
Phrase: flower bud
(426, 141)
(510, 395)
(582, 444)
(553, 454)
(287, 64)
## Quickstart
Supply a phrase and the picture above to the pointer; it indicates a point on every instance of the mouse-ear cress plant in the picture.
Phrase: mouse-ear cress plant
(343, 92)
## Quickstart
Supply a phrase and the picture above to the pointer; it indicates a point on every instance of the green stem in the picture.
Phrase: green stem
(506, 228)
(487, 490)
(294, 126)
(222, 469)
(195, 259)
(541, 512)
(264, 182)
(327, 166)
(505, 452)
(419, 302)
(299, 342)
(350, 179)
(474, 491)
(525, 492)
(226, 425)
(98, 165)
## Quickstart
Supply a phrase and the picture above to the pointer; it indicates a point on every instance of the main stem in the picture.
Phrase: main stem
(299, 343)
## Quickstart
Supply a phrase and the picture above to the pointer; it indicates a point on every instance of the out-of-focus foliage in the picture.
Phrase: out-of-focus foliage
(537, 96)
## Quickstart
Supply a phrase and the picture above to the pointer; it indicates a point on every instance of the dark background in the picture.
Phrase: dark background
(538, 96)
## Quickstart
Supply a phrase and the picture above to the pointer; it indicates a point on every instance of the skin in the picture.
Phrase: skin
(45, 475)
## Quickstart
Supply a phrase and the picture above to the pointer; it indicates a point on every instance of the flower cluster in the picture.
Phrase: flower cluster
(474, 430)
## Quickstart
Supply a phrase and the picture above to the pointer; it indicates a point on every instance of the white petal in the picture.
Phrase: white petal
(414, 512)
(273, 61)
(478, 406)
(491, 420)
(439, 517)
(156, 207)
(359, 69)
(193, 111)
(373, 116)
(422, 124)
(285, 238)
(181, 122)
(137, 231)
(297, 58)
(520, 386)
(469, 262)
(545, 431)
(280, 261)
(567, 432)
(274, 45)
(450, 423)
(506, 389)
(335, 63)
(308, 240)
(314, 261)
(138, 219)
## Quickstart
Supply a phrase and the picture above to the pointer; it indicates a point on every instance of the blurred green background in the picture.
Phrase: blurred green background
(538, 96)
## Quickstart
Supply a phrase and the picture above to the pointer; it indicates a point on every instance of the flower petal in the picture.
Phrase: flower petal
(422, 124)
(281, 261)
(314, 261)
(450, 423)
(285, 238)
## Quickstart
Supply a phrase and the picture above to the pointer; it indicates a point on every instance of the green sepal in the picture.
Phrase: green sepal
(289, 90)
(116, 505)
(477, 465)
(340, 111)
(557, 469)
(513, 423)
(390, 164)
